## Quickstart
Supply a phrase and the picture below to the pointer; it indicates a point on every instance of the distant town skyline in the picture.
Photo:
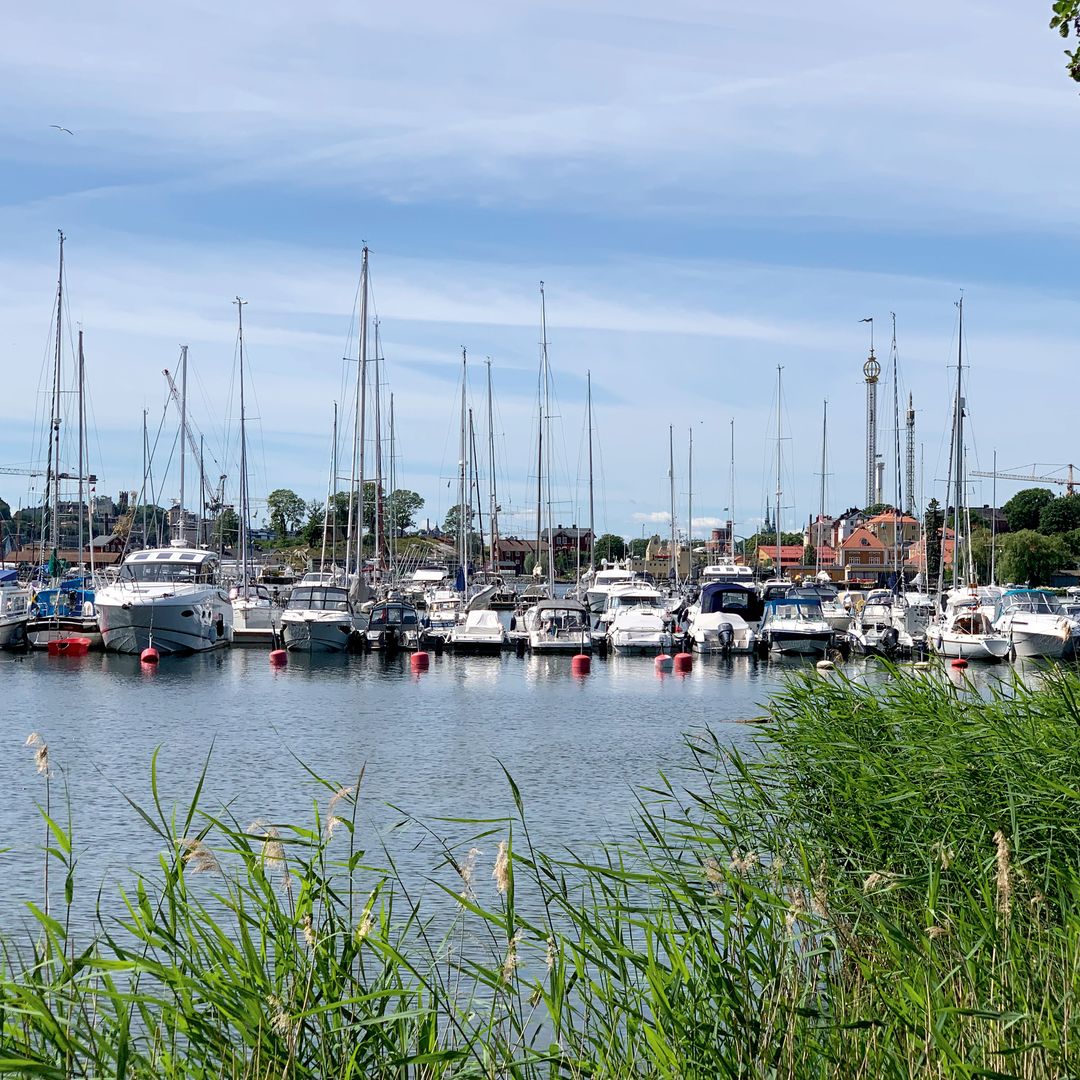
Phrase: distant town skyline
(702, 191)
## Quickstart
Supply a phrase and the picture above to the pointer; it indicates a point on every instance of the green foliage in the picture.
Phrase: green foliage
(402, 508)
(5, 511)
(225, 528)
(887, 885)
(610, 547)
(286, 511)
(452, 521)
(1060, 516)
(1025, 508)
(530, 563)
(1028, 556)
(1066, 19)
(809, 555)
(933, 527)
(638, 547)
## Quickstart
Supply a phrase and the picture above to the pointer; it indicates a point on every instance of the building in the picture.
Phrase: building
(916, 556)
(791, 558)
(657, 560)
(846, 524)
(862, 553)
(820, 531)
(886, 526)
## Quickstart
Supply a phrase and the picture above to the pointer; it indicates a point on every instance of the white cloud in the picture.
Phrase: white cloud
(657, 517)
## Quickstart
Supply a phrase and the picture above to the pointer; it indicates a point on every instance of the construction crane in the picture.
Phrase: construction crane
(1069, 482)
(91, 479)
(215, 500)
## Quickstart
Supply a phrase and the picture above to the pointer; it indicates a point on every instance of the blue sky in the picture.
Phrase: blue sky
(707, 193)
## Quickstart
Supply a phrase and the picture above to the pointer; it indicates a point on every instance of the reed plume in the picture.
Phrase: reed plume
(501, 873)
(1003, 882)
(41, 753)
(332, 818)
(197, 857)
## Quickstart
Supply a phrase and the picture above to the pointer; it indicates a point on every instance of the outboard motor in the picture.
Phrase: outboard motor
(727, 636)
(890, 638)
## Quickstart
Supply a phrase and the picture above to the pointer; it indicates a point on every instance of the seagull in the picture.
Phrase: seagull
(64, 129)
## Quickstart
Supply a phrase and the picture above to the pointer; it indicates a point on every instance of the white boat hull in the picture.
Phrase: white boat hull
(628, 643)
(968, 646)
(316, 631)
(172, 620)
(13, 633)
(1034, 645)
(539, 642)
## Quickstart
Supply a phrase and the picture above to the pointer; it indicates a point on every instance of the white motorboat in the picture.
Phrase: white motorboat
(444, 609)
(481, 634)
(601, 584)
(319, 617)
(795, 624)
(14, 611)
(632, 594)
(558, 626)
(725, 618)
(170, 599)
(423, 579)
(639, 630)
(393, 625)
(965, 633)
(1035, 623)
(253, 608)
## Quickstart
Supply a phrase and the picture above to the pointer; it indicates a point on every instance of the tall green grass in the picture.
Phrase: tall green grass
(889, 889)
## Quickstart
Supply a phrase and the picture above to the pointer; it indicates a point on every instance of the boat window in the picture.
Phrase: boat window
(180, 573)
(318, 599)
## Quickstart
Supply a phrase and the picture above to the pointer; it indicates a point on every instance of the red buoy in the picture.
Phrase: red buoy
(663, 662)
(278, 657)
(581, 664)
(149, 656)
(71, 646)
(959, 662)
(419, 661)
(683, 661)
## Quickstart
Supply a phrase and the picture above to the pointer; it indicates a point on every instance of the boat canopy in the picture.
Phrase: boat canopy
(565, 604)
(1035, 601)
(793, 607)
(319, 598)
(731, 598)
(9, 577)
(392, 613)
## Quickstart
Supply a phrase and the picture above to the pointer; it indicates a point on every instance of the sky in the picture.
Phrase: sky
(709, 191)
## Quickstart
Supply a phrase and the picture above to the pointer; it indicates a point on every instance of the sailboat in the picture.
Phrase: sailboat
(553, 625)
(65, 607)
(170, 599)
(252, 609)
(964, 631)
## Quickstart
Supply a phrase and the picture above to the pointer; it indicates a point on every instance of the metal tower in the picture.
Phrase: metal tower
(871, 369)
(910, 457)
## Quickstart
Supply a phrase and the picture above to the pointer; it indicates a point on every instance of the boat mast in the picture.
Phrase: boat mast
(592, 515)
(494, 512)
(959, 433)
(897, 512)
(463, 481)
(674, 565)
(379, 524)
(474, 485)
(821, 503)
(993, 525)
(183, 433)
(53, 472)
(242, 537)
(82, 452)
(546, 419)
(356, 483)
(690, 502)
(145, 455)
(731, 508)
(779, 436)
(392, 526)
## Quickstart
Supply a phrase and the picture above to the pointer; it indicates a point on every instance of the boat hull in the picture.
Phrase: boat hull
(13, 634)
(173, 623)
(1034, 646)
(968, 646)
(794, 643)
(539, 642)
(304, 633)
(40, 632)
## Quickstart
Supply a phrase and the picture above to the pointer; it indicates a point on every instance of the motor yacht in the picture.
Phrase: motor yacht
(481, 634)
(725, 618)
(795, 624)
(1035, 622)
(965, 633)
(393, 625)
(319, 617)
(558, 626)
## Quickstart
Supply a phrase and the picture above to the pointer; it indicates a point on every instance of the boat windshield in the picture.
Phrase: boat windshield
(628, 600)
(392, 615)
(318, 598)
(1035, 603)
(181, 573)
(796, 608)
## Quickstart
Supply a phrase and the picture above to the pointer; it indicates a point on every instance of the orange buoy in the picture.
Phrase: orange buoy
(959, 662)
(581, 664)
(278, 657)
(72, 646)
(419, 661)
(149, 656)
(683, 661)
(663, 662)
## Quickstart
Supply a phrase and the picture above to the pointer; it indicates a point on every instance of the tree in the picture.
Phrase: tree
(1028, 556)
(226, 528)
(313, 528)
(286, 511)
(609, 546)
(809, 555)
(403, 506)
(637, 548)
(933, 531)
(452, 522)
(1025, 508)
(530, 562)
(1066, 18)
(1060, 516)
(5, 511)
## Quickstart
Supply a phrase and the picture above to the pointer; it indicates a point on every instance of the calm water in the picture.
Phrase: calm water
(429, 744)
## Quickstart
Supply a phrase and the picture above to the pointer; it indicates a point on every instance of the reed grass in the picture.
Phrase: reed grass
(889, 888)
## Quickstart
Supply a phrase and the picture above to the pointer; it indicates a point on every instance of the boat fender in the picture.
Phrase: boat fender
(219, 626)
(88, 610)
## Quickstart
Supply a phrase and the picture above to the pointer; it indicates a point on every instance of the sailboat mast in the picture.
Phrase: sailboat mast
(145, 455)
(779, 438)
(547, 420)
(463, 524)
(82, 451)
(54, 440)
(474, 486)
(674, 571)
(361, 405)
(379, 523)
(183, 435)
(731, 508)
(821, 501)
(959, 433)
(592, 515)
(897, 511)
(494, 512)
(690, 500)
(392, 527)
(242, 537)
(993, 526)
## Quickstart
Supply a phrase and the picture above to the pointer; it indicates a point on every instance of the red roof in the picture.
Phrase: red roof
(889, 517)
(862, 537)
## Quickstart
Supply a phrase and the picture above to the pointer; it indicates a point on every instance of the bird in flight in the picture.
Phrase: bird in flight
(64, 129)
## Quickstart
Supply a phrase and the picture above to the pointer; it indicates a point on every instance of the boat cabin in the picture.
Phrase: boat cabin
(731, 598)
(184, 566)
